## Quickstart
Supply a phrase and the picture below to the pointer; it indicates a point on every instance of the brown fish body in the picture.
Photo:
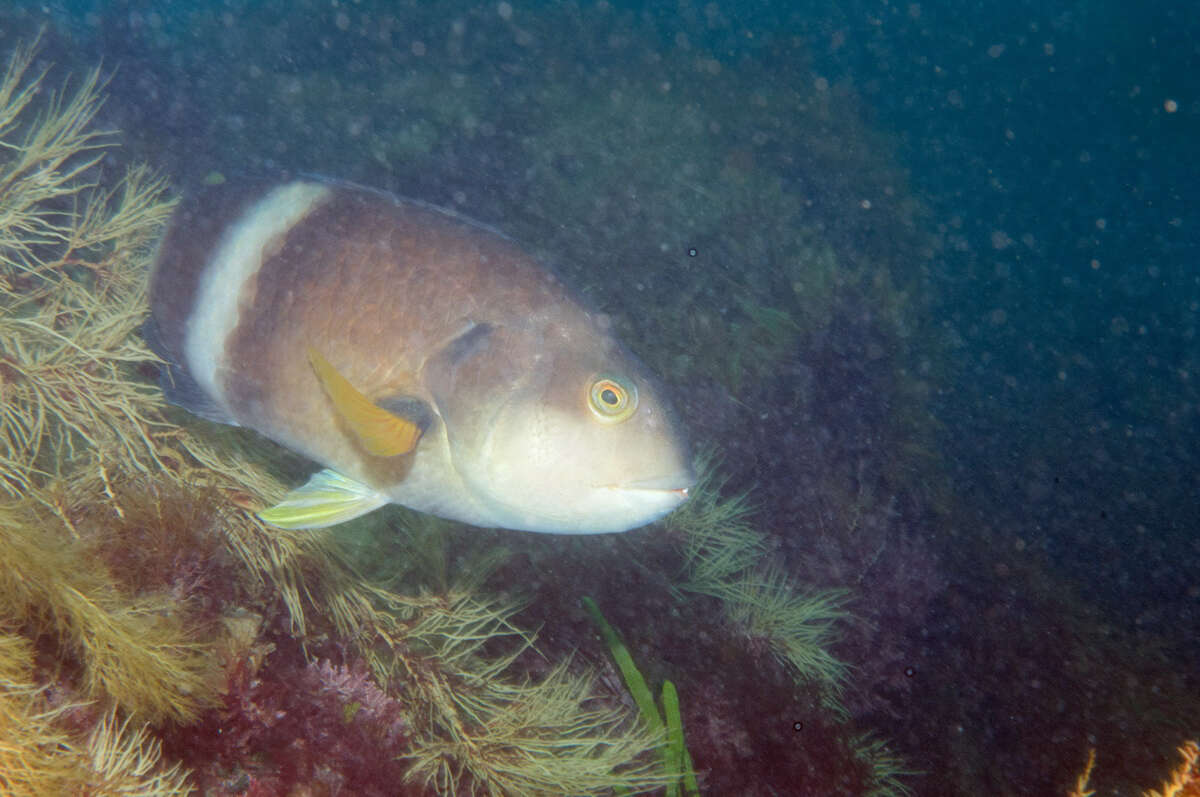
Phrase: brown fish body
(442, 321)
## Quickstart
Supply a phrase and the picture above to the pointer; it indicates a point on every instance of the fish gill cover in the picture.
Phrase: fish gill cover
(871, 592)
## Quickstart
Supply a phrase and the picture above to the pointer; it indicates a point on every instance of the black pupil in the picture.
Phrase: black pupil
(609, 396)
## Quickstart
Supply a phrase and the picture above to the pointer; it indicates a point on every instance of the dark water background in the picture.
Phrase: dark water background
(1069, 195)
(1051, 154)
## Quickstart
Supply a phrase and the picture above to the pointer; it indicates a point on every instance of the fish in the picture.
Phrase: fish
(419, 357)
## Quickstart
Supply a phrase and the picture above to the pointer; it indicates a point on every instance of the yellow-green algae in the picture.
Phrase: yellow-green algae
(725, 557)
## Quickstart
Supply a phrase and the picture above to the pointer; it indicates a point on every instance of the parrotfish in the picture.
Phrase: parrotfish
(421, 358)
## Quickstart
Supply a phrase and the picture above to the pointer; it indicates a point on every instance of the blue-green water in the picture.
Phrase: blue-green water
(925, 273)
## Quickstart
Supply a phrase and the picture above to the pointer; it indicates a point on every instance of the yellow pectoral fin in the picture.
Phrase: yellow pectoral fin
(381, 433)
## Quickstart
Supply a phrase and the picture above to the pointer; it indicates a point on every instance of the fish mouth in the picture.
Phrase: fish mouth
(680, 493)
(675, 486)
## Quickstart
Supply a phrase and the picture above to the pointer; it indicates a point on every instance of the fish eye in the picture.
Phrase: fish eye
(612, 399)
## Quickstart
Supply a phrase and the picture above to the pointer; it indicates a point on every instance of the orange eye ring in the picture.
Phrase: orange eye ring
(612, 399)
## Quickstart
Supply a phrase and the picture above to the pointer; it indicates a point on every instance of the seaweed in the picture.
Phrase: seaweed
(885, 768)
(38, 756)
(470, 727)
(72, 292)
(726, 558)
(134, 650)
(1184, 780)
(127, 762)
(666, 724)
(797, 627)
(679, 760)
(29, 731)
(715, 533)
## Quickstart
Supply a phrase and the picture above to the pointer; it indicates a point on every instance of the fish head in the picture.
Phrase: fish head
(557, 428)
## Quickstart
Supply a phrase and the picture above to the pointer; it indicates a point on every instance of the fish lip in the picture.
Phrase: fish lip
(664, 486)
(675, 482)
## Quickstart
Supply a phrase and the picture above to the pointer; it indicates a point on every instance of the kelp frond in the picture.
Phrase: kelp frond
(130, 213)
(16, 90)
(1082, 782)
(543, 739)
(139, 655)
(134, 650)
(665, 724)
(717, 538)
(32, 759)
(49, 159)
(424, 554)
(473, 727)
(72, 291)
(726, 558)
(68, 396)
(1185, 779)
(38, 757)
(885, 768)
(128, 763)
(798, 627)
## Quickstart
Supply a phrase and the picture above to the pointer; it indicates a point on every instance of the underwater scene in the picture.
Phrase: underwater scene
(745, 398)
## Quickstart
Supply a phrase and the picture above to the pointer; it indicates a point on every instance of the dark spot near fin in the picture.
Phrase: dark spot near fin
(412, 409)
(178, 385)
(467, 345)
(463, 352)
